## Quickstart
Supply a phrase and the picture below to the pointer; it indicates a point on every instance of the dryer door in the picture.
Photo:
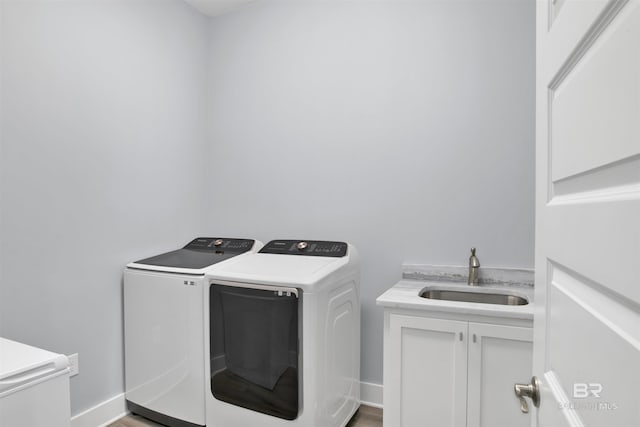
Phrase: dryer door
(255, 347)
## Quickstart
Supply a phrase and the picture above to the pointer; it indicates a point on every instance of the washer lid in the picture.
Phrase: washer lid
(199, 253)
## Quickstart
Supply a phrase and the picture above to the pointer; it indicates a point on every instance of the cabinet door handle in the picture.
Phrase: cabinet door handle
(474, 337)
(460, 336)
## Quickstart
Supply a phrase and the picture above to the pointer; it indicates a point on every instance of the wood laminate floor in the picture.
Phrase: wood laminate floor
(366, 416)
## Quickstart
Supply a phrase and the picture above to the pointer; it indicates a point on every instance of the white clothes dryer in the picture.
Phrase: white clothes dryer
(284, 328)
(165, 299)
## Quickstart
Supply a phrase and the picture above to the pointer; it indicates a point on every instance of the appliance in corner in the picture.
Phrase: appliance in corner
(34, 386)
(165, 298)
(284, 329)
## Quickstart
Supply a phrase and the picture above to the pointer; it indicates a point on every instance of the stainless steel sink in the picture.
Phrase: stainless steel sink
(484, 297)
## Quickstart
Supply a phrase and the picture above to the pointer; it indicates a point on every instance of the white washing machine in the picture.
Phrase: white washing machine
(165, 299)
(284, 328)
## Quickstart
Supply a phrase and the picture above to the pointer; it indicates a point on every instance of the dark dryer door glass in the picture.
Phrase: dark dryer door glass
(254, 348)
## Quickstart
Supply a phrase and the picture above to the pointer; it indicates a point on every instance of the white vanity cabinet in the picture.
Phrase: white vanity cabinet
(453, 369)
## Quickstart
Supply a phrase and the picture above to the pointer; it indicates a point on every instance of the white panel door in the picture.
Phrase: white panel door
(587, 322)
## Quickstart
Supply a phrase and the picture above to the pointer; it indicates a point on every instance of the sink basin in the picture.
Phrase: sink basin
(484, 297)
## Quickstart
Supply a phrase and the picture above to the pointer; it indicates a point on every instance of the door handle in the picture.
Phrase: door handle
(531, 391)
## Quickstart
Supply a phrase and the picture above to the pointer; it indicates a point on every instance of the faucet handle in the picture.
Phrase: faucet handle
(473, 259)
(474, 266)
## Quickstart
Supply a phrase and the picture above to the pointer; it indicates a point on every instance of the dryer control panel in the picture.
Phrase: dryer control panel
(305, 247)
(220, 244)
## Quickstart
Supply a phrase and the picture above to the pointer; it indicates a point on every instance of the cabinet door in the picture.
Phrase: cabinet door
(499, 356)
(425, 372)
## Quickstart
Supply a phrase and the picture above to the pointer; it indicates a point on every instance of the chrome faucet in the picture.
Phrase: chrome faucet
(474, 267)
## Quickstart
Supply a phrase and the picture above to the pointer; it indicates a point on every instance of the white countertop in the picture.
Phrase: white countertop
(405, 295)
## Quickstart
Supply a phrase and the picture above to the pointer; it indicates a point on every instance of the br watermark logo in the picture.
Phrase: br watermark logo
(585, 393)
(584, 390)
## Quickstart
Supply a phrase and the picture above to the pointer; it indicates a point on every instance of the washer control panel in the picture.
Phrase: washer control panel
(220, 244)
(305, 247)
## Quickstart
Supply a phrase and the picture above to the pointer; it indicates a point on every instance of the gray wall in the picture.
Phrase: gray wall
(103, 130)
(404, 127)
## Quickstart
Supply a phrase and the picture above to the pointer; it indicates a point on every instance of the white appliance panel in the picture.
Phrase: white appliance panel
(163, 317)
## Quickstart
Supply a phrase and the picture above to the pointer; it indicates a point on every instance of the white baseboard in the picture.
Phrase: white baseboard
(102, 414)
(115, 408)
(371, 394)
